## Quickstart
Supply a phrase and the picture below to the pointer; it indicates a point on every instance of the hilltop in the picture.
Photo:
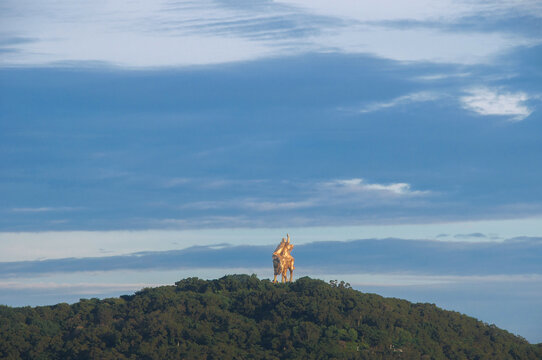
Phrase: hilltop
(242, 317)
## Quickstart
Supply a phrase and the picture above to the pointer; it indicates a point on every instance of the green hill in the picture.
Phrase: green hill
(242, 317)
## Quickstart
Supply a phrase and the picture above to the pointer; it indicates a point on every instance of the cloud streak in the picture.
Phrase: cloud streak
(483, 258)
(27, 246)
(420, 10)
(487, 101)
(81, 288)
(44, 209)
(360, 186)
(167, 33)
(423, 96)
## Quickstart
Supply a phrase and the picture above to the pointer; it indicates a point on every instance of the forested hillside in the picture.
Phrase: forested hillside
(242, 317)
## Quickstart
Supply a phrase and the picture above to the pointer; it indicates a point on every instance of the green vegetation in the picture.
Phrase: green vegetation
(241, 317)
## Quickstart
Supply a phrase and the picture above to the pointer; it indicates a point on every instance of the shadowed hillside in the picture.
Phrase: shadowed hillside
(242, 317)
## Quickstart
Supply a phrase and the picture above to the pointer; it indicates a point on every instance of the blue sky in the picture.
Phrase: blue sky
(129, 127)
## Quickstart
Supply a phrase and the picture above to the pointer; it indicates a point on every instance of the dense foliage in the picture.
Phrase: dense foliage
(241, 317)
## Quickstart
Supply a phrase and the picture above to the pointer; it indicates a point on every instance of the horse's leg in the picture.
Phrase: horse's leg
(291, 268)
(284, 273)
(276, 268)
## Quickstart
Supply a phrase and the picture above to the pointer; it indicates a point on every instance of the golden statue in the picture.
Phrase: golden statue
(283, 261)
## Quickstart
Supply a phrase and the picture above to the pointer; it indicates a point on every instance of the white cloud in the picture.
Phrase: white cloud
(250, 204)
(272, 205)
(38, 209)
(21, 246)
(420, 10)
(128, 33)
(421, 44)
(208, 183)
(319, 194)
(166, 33)
(44, 209)
(358, 186)
(210, 221)
(69, 282)
(366, 31)
(378, 10)
(436, 77)
(401, 100)
(486, 101)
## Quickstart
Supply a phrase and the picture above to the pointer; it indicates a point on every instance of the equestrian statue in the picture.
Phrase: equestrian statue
(283, 261)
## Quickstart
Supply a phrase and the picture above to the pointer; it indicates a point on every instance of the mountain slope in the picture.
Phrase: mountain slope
(241, 317)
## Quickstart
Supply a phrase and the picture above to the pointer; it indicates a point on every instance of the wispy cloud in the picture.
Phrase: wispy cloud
(429, 31)
(358, 185)
(488, 101)
(513, 256)
(472, 235)
(174, 182)
(44, 209)
(181, 33)
(156, 34)
(249, 203)
(24, 246)
(212, 221)
(313, 195)
(402, 280)
(273, 205)
(355, 279)
(421, 10)
(207, 183)
(81, 288)
(442, 76)
(423, 96)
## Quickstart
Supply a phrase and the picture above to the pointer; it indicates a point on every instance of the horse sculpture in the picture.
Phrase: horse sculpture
(283, 261)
